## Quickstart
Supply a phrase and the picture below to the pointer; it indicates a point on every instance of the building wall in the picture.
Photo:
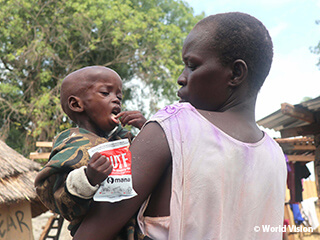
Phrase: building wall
(15, 221)
(317, 162)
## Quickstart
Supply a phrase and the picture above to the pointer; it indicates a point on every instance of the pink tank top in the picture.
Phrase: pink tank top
(221, 188)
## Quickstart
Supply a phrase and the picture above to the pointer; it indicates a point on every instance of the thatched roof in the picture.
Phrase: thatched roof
(17, 175)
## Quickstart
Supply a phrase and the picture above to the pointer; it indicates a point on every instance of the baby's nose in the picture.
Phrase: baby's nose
(116, 100)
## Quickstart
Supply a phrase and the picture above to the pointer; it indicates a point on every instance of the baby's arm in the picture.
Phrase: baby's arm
(84, 182)
(133, 118)
(150, 158)
(70, 194)
(55, 195)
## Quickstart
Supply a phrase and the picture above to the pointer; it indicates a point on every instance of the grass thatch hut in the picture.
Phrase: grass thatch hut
(18, 199)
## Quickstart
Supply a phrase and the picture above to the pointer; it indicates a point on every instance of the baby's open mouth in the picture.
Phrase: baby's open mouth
(114, 119)
(114, 113)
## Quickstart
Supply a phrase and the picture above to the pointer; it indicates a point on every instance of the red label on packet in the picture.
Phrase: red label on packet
(120, 159)
(118, 185)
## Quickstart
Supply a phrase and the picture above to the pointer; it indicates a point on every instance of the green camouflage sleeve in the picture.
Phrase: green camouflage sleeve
(69, 152)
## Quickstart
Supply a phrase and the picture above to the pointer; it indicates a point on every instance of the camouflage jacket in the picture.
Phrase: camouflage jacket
(70, 152)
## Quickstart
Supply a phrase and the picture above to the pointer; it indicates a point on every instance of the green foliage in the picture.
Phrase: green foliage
(316, 49)
(42, 41)
(305, 99)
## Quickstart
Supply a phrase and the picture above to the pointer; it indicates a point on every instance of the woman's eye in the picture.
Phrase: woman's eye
(192, 67)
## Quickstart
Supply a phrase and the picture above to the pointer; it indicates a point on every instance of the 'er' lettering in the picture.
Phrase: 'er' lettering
(19, 216)
(10, 223)
(2, 233)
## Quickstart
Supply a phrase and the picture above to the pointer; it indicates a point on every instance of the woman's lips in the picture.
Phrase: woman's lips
(180, 96)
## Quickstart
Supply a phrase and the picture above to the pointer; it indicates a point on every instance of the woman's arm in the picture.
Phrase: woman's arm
(150, 158)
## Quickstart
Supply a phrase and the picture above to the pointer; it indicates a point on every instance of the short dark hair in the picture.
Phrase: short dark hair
(240, 36)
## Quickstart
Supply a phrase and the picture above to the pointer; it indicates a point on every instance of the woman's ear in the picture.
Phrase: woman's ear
(239, 73)
(75, 104)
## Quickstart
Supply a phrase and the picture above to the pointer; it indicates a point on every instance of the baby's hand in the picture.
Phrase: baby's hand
(133, 118)
(98, 169)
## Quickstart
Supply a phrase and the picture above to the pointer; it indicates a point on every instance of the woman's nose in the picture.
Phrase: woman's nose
(182, 79)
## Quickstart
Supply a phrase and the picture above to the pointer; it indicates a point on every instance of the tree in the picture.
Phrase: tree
(316, 49)
(42, 41)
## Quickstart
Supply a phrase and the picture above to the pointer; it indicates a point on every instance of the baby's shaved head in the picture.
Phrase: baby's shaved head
(77, 82)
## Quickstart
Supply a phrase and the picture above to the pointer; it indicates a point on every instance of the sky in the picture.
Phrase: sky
(294, 74)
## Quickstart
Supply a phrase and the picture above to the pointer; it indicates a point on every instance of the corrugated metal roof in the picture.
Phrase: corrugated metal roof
(278, 121)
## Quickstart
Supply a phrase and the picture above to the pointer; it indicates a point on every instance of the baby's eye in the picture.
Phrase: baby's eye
(105, 93)
(119, 97)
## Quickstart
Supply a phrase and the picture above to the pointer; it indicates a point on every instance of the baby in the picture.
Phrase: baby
(91, 97)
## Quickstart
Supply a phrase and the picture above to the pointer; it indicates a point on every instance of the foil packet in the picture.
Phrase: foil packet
(118, 185)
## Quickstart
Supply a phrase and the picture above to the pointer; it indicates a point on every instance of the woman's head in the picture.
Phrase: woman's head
(227, 58)
(238, 35)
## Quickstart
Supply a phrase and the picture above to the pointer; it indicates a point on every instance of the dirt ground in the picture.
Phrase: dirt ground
(40, 222)
(304, 236)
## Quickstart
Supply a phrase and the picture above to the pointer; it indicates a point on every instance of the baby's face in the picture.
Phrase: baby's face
(101, 101)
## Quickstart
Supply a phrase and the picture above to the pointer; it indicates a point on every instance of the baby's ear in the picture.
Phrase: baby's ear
(75, 104)
(239, 73)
